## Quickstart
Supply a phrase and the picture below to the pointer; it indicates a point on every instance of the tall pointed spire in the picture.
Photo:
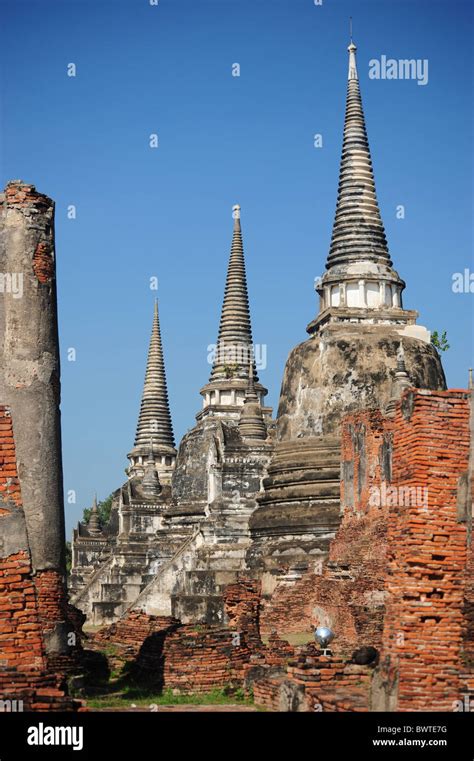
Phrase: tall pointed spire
(225, 392)
(358, 230)
(155, 418)
(154, 421)
(359, 272)
(234, 343)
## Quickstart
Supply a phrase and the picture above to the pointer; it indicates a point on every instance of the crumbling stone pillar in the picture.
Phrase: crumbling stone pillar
(30, 387)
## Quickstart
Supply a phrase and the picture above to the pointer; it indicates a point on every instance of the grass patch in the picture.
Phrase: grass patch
(134, 696)
(121, 688)
(294, 638)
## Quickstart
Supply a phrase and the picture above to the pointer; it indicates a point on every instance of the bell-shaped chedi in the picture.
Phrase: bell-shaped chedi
(348, 363)
(350, 360)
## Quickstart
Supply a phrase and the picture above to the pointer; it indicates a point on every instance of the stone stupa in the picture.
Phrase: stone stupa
(348, 363)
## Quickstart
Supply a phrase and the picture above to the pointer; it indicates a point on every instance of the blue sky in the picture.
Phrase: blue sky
(166, 212)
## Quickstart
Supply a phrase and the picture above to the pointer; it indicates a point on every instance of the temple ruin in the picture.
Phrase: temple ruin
(352, 510)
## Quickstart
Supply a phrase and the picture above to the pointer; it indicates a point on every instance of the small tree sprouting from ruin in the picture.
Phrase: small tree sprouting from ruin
(440, 342)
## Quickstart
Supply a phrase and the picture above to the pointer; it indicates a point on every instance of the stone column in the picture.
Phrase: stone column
(327, 296)
(30, 386)
(382, 291)
(342, 292)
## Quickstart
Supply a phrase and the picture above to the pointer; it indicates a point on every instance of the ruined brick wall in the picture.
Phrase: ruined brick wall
(467, 655)
(164, 653)
(331, 684)
(467, 676)
(242, 608)
(290, 608)
(21, 645)
(405, 548)
(428, 543)
(314, 682)
(468, 609)
(24, 668)
(131, 631)
(347, 594)
(266, 692)
(196, 661)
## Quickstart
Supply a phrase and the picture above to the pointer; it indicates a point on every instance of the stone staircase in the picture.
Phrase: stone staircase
(190, 585)
(115, 585)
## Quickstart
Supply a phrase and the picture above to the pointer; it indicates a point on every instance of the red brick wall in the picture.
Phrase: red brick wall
(242, 608)
(9, 483)
(43, 263)
(20, 194)
(131, 631)
(329, 684)
(426, 582)
(196, 661)
(266, 692)
(21, 644)
(410, 545)
(23, 665)
(181, 657)
(52, 600)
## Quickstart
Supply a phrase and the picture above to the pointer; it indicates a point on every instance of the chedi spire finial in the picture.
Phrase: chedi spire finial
(359, 272)
(352, 74)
